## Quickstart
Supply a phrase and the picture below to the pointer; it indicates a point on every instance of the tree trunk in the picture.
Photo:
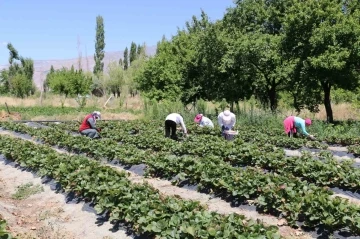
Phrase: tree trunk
(272, 98)
(232, 106)
(327, 103)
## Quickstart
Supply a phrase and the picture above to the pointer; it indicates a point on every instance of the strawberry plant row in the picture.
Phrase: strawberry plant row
(194, 145)
(283, 195)
(274, 135)
(329, 171)
(138, 205)
(118, 130)
(355, 149)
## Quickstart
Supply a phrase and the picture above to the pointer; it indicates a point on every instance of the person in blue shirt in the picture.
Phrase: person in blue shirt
(293, 124)
(203, 121)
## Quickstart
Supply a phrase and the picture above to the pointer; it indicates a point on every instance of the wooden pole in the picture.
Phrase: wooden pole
(7, 108)
(107, 101)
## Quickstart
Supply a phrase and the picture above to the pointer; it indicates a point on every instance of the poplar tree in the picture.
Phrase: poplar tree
(99, 45)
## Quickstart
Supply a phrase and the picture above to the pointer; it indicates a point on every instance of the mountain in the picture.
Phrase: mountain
(42, 67)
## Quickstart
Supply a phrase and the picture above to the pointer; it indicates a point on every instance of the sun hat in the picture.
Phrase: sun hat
(97, 114)
(226, 117)
(198, 118)
(308, 121)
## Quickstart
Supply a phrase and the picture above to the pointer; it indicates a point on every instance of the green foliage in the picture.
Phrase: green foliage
(116, 78)
(201, 106)
(290, 188)
(17, 79)
(269, 49)
(81, 100)
(26, 190)
(20, 85)
(145, 210)
(323, 39)
(133, 52)
(161, 78)
(68, 82)
(4, 234)
(99, 45)
(126, 58)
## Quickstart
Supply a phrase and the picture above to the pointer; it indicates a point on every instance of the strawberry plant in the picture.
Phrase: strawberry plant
(137, 205)
(280, 195)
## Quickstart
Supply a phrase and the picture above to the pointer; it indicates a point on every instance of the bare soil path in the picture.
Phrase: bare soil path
(46, 214)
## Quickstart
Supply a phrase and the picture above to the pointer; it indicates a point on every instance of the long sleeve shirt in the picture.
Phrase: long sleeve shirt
(229, 124)
(206, 122)
(92, 122)
(300, 124)
(178, 119)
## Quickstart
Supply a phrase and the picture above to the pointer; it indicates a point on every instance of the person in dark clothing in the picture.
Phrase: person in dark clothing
(88, 126)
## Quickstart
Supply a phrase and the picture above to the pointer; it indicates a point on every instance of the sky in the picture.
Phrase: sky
(49, 30)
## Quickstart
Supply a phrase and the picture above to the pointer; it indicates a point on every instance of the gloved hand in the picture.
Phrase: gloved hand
(311, 137)
(98, 130)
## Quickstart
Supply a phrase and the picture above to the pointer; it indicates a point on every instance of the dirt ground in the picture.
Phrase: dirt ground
(45, 214)
(6, 116)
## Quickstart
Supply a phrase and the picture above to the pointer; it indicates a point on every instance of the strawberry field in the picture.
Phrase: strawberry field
(315, 191)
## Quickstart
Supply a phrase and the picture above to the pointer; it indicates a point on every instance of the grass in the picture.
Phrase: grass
(55, 107)
(26, 190)
(50, 100)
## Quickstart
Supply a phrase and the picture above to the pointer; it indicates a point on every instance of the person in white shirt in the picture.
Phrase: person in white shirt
(226, 120)
(203, 121)
(171, 121)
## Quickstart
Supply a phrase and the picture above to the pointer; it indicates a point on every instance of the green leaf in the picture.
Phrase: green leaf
(212, 231)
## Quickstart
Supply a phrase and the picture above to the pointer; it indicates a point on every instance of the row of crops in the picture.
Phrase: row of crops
(252, 168)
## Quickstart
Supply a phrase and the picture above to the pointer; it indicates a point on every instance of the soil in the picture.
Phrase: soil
(46, 214)
(12, 116)
(166, 188)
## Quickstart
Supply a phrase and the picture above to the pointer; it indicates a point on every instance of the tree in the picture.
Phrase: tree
(139, 49)
(323, 37)
(126, 58)
(116, 79)
(99, 45)
(137, 68)
(132, 52)
(161, 78)
(68, 82)
(17, 79)
(188, 49)
(254, 28)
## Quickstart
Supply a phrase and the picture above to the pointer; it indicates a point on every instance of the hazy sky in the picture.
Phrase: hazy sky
(45, 30)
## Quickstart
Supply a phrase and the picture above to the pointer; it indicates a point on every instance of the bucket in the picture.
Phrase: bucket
(229, 135)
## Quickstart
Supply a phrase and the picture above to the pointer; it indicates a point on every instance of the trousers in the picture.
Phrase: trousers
(92, 133)
(170, 129)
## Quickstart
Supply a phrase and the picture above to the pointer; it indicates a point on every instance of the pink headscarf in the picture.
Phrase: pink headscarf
(198, 118)
(308, 121)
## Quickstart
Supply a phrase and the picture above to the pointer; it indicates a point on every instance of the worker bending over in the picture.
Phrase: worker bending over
(203, 121)
(226, 120)
(171, 121)
(293, 124)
